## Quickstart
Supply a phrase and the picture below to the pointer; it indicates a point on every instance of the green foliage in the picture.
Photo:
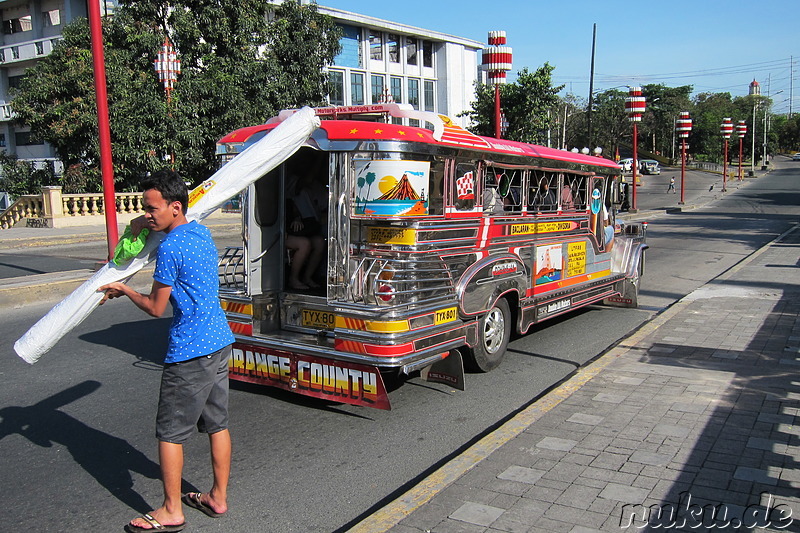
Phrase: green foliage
(240, 63)
(21, 177)
(525, 103)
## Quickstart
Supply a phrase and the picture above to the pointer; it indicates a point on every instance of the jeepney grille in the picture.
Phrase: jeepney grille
(231, 269)
(390, 281)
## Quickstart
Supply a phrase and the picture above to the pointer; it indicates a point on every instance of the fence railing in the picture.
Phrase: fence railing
(52, 209)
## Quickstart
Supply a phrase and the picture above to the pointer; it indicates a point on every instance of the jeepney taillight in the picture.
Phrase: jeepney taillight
(386, 293)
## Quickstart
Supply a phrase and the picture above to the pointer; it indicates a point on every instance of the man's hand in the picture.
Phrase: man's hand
(112, 290)
(137, 225)
(297, 225)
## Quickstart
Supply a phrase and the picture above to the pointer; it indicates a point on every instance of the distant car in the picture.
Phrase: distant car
(650, 166)
(796, 157)
(626, 164)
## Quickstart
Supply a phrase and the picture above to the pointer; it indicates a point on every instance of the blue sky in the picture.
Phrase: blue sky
(714, 45)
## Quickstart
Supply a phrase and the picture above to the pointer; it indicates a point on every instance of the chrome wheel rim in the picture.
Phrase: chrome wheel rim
(494, 328)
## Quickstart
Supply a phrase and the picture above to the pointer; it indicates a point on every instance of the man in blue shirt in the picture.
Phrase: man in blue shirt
(194, 382)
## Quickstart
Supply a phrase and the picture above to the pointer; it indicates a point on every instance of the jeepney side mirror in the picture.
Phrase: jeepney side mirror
(615, 193)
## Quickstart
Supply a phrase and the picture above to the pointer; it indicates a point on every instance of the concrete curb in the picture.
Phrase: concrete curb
(16, 293)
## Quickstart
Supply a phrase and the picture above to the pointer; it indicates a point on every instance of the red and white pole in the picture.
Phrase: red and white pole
(497, 62)
(726, 130)
(635, 106)
(741, 131)
(683, 126)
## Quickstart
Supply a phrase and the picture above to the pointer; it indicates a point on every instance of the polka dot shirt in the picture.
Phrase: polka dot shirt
(187, 262)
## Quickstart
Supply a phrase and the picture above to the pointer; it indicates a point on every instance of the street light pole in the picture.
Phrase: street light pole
(103, 127)
(497, 61)
(741, 131)
(635, 106)
(725, 129)
(683, 126)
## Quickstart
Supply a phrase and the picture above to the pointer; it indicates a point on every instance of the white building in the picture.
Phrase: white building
(30, 29)
(383, 60)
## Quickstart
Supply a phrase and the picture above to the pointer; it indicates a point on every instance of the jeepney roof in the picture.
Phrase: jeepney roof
(453, 136)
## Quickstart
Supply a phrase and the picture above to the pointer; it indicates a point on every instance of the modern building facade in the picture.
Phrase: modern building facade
(385, 61)
(30, 30)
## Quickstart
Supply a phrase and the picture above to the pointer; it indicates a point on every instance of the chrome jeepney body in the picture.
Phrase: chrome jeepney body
(438, 244)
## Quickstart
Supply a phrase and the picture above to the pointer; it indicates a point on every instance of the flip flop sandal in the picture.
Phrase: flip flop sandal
(156, 526)
(192, 499)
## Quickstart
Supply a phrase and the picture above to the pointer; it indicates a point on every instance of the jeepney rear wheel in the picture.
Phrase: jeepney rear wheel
(494, 331)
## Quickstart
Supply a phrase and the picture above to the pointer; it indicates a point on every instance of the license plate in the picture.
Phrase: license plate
(318, 319)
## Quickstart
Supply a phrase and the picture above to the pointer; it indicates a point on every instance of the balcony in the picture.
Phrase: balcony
(26, 51)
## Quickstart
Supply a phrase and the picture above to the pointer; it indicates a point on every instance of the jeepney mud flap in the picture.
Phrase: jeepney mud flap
(628, 296)
(449, 371)
(327, 379)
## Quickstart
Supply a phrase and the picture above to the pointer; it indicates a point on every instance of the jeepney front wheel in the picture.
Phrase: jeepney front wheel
(494, 331)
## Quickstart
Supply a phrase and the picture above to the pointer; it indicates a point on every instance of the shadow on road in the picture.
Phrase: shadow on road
(109, 459)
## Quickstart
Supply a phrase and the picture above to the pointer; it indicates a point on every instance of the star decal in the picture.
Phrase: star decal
(420, 135)
(378, 131)
(353, 131)
(401, 132)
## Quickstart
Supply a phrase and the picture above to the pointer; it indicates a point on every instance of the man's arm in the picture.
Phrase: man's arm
(153, 304)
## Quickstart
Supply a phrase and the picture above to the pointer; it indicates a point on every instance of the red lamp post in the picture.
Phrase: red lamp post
(741, 131)
(726, 130)
(103, 126)
(497, 61)
(683, 126)
(635, 106)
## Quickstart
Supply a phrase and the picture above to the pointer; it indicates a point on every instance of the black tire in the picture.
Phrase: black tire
(494, 331)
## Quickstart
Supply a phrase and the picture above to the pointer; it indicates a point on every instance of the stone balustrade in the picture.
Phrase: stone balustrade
(52, 209)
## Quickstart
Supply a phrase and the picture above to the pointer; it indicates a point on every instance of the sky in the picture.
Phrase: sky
(713, 45)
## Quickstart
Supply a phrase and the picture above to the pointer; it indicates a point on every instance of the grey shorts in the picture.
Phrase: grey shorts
(194, 393)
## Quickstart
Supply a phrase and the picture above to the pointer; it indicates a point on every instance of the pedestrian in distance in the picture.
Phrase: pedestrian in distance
(194, 380)
(671, 185)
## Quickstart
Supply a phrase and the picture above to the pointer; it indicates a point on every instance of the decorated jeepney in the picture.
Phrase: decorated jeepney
(438, 245)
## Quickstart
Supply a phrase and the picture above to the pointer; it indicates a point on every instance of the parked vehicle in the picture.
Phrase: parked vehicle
(441, 244)
(650, 166)
(796, 157)
(626, 164)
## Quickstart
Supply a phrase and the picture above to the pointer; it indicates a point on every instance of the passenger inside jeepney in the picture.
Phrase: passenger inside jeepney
(306, 204)
(544, 200)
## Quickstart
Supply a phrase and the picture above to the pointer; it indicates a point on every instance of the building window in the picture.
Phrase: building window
(413, 93)
(393, 48)
(14, 81)
(336, 87)
(375, 45)
(17, 25)
(377, 89)
(411, 51)
(351, 54)
(427, 54)
(39, 48)
(2, 140)
(51, 18)
(23, 138)
(356, 88)
(429, 96)
(396, 88)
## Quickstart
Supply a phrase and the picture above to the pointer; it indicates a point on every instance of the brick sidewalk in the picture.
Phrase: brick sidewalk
(700, 407)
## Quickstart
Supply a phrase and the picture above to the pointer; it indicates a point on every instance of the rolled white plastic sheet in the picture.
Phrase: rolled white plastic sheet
(228, 181)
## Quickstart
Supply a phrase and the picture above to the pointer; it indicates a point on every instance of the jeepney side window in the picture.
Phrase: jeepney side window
(577, 187)
(464, 186)
(511, 190)
(542, 191)
(490, 195)
(436, 198)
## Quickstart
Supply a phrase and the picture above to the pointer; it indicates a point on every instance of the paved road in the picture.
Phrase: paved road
(78, 425)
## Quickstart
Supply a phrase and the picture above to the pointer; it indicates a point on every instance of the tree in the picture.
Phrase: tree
(664, 104)
(611, 123)
(240, 62)
(525, 104)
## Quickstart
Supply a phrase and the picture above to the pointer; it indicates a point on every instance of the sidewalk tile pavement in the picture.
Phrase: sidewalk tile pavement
(693, 425)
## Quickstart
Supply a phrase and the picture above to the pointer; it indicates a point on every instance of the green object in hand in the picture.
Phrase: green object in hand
(129, 246)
